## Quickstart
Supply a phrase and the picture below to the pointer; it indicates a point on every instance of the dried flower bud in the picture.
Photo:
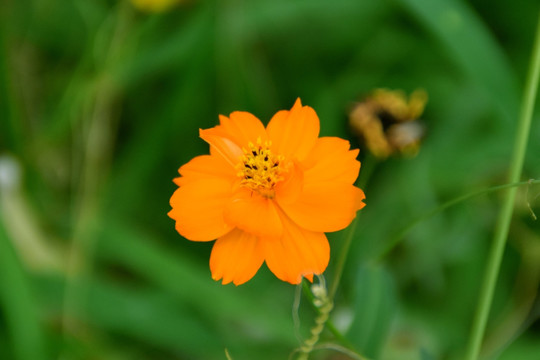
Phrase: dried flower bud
(154, 6)
(387, 122)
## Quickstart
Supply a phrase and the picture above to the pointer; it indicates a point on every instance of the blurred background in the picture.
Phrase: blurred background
(101, 102)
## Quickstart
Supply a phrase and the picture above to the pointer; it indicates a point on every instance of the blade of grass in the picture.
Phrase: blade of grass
(18, 303)
(469, 42)
(143, 314)
(10, 130)
(375, 304)
(93, 156)
(177, 48)
(505, 215)
(180, 275)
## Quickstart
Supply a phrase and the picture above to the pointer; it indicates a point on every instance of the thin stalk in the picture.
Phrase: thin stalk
(324, 306)
(329, 324)
(327, 301)
(401, 235)
(367, 169)
(341, 349)
(97, 138)
(351, 230)
(505, 215)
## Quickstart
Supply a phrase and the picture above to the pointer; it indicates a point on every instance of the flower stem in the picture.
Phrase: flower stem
(505, 215)
(329, 324)
(324, 302)
(367, 169)
(325, 305)
(322, 305)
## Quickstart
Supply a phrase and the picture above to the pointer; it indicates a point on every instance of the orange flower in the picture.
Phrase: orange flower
(267, 195)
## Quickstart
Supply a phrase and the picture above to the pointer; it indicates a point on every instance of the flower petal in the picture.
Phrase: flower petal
(324, 206)
(243, 128)
(222, 145)
(204, 167)
(233, 134)
(197, 207)
(290, 188)
(297, 253)
(328, 201)
(294, 133)
(331, 160)
(253, 213)
(236, 257)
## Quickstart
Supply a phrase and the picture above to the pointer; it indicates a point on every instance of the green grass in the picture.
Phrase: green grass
(100, 104)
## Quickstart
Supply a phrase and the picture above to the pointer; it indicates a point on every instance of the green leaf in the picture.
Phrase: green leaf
(18, 303)
(140, 313)
(426, 355)
(180, 275)
(524, 348)
(374, 309)
(165, 53)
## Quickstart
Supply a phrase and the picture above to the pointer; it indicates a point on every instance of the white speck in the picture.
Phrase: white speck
(10, 172)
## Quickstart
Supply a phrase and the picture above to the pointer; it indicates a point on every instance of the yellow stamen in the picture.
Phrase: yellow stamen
(260, 170)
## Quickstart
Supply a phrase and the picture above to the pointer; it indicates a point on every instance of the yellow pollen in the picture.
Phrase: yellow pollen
(260, 170)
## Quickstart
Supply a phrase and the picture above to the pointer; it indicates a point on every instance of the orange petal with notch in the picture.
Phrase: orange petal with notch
(331, 160)
(221, 145)
(298, 253)
(205, 167)
(325, 206)
(294, 133)
(236, 257)
(197, 208)
(253, 213)
(243, 128)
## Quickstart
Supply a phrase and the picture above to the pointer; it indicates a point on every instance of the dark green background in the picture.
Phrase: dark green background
(100, 104)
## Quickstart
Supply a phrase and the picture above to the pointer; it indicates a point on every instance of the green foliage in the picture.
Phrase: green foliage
(374, 308)
(101, 103)
(18, 305)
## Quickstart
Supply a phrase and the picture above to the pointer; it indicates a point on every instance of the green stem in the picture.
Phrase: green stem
(323, 316)
(367, 169)
(97, 139)
(329, 324)
(351, 230)
(401, 235)
(324, 306)
(505, 215)
(341, 349)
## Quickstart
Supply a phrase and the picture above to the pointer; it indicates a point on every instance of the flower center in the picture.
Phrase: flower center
(260, 170)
